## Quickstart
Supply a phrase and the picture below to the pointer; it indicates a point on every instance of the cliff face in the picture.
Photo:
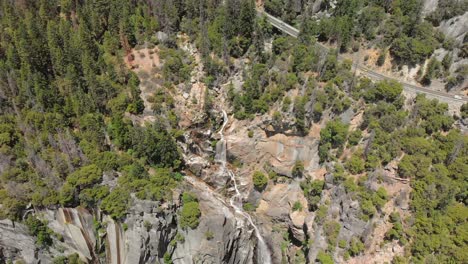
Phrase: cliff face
(16, 243)
(146, 235)
(429, 6)
(151, 232)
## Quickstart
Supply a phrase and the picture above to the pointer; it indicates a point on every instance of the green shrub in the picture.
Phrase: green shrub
(332, 229)
(40, 230)
(178, 238)
(259, 180)
(71, 259)
(167, 258)
(298, 169)
(332, 136)
(355, 164)
(116, 203)
(321, 213)
(190, 213)
(368, 209)
(209, 235)
(147, 225)
(188, 197)
(313, 192)
(381, 58)
(273, 175)
(286, 104)
(297, 206)
(342, 243)
(355, 137)
(355, 247)
(324, 258)
(248, 207)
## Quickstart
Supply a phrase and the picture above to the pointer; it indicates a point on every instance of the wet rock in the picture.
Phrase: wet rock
(222, 235)
(76, 227)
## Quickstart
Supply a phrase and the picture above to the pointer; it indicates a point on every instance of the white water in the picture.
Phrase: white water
(263, 252)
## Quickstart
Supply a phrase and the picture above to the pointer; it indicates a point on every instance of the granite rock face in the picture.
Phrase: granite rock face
(456, 27)
(16, 243)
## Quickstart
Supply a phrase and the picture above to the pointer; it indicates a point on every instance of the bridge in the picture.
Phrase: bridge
(374, 75)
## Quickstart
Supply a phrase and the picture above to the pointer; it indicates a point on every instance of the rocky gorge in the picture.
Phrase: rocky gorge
(265, 184)
(226, 233)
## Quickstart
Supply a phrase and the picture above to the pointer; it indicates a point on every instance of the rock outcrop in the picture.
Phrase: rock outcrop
(456, 27)
(222, 236)
(16, 243)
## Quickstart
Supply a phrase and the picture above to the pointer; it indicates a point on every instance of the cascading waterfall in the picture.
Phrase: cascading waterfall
(236, 200)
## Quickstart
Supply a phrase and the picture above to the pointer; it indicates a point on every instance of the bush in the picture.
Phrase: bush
(332, 229)
(298, 169)
(71, 259)
(209, 235)
(190, 214)
(248, 207)
(381, 59)
(85, 176)
(313, 192)
(40, 230)
(147, 224)
(388, 90)
(368, 209)
(259, 180)
(116, 204)
(321, 213)
(342, 243)
(355, 164)
(273, 175)
(396, 232)
(167, 258)
(280, 45)
(356, 247)
(355, 137)
(335, 132)
(156, 146)
(188, 197)
(324, 258)
(297, 206)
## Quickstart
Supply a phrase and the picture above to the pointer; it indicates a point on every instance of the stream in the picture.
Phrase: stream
(263, 252)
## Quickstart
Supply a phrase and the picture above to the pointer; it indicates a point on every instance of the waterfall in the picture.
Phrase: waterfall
(263, 252)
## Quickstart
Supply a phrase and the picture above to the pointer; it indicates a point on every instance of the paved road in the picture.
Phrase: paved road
(294, 32)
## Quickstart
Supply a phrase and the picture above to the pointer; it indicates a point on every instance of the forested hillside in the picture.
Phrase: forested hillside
(116, 113)
(402, 29)
(65, 91)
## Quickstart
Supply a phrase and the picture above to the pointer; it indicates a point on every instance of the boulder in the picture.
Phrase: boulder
(297, 225)
(456, 27)
(161, 36)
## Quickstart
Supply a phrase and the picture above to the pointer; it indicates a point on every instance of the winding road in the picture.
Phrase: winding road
(442, 96)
